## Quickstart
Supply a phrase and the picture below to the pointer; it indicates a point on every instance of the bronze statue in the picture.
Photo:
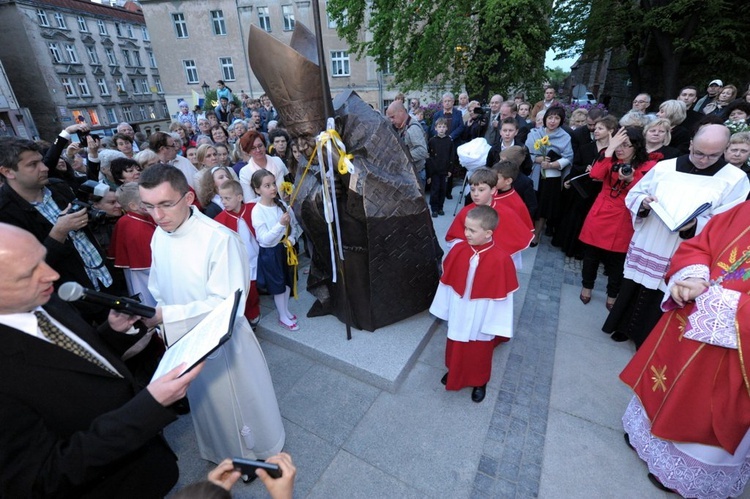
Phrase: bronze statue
(392, 258)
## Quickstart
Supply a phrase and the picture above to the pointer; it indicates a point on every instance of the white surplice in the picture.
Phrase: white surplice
(232, 401)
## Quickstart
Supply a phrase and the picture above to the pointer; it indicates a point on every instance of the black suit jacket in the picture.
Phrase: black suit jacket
(70, 429)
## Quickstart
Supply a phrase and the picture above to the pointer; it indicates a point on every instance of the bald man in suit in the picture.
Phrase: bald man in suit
(74, 422)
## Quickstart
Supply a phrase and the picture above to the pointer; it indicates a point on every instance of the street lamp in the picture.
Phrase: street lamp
(205, 88)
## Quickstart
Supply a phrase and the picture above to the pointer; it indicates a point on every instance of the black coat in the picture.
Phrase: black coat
(70, 429)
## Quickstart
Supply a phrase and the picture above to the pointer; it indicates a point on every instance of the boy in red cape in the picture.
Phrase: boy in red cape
(130, 245)
(236, 216)
(475, 296)
(690, 416)
(516, 232)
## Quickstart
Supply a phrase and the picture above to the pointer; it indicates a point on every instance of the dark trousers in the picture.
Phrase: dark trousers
(438, 186)
(613, 264)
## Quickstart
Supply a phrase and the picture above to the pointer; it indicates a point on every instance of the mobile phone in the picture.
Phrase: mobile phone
(248, 466)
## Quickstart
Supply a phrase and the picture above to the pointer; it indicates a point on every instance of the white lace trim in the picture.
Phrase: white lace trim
(677, 470)
(713, 320)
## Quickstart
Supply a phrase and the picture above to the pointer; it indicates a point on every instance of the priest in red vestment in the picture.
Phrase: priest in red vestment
(690, 416)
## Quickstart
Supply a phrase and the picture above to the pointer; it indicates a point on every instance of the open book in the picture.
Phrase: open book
(205, 337)
(678, 215)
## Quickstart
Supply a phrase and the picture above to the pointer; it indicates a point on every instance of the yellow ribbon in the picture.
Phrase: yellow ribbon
(292, 261)
(344, 165)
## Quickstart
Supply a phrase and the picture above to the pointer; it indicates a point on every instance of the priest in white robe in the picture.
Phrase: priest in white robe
(197, 263)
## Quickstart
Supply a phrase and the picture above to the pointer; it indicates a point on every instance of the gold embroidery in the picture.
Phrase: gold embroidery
(733, 255)
(659, 378)
(681, 327)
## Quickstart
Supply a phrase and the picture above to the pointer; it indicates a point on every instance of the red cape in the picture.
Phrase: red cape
(494, 279)
(230, 218)
(514, 231)
(130, 245)
(693, 391)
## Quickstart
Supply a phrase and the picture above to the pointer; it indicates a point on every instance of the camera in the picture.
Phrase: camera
(625, 169)
(479, 111)
(90, 191)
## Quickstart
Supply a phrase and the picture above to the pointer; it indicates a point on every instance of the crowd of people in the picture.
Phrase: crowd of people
(181, 219)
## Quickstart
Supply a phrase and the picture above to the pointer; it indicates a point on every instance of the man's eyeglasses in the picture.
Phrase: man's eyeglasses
(162, 206)
(640, 102)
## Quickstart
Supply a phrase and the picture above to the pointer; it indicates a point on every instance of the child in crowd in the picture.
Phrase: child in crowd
(237, 216)
(515, 234)
(130, 245)
(442, 157)
(208, 189)
(522, 184)
(475, 296)
(508, 199)
(508, 132)
(276, 230)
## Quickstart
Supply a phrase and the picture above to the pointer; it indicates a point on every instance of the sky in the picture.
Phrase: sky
(565, 64)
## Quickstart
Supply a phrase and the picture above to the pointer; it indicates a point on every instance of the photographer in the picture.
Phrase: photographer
(475, 122)
(29, 199)
(608, 227)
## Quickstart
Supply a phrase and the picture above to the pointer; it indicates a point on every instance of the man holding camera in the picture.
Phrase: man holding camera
(29, 199)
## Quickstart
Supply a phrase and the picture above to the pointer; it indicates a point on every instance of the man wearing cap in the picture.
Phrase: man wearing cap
(712, 91)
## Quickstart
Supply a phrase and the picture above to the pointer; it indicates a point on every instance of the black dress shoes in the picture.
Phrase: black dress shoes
(478, 393)
(619, 337)
(444, 379)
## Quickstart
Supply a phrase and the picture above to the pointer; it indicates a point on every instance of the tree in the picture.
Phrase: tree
(668, 43)
(555, 77)
(487, 45)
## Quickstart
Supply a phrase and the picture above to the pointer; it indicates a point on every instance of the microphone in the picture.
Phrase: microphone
(72, 291)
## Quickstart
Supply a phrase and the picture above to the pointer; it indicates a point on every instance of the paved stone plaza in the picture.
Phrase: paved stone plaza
(549, 426)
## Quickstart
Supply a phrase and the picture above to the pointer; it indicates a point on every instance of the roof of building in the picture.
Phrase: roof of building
(131, 12)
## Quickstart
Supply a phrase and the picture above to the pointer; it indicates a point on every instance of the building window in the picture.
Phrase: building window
(68, 87)
(164, 110)
(287, 11)
(142, 112)
(145, 89)
(191, 71)
(128, 113)
(159, 88)
(134, 84)
(151, 58)
(93, 56)
(60, 20)
(102, 27)
(129, 29)
(126, 56)
(137, 58)
(217, 21)
(180, 26)
(227, 68)
(331, 23)
(42, 16)
(111, 59)
(102, 84)
(120, 84)
(118, 29)
(56, 54)
(72, 53)
(111, 114)
(83, 87)
(82, 26)
(93, 116)
(144, 33)
(264, 19)
(339, 63)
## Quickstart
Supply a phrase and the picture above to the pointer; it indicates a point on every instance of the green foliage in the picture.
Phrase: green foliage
(668, 43)
(556, 76)
(487, 45)
(210, 101)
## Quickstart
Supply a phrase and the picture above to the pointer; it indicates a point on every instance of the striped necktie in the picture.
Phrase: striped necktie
(56, 336)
